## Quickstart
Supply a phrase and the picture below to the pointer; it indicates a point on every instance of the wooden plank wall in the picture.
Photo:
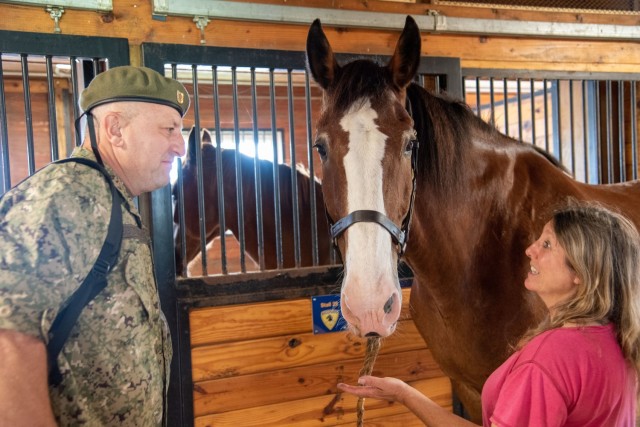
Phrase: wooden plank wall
(261, 365)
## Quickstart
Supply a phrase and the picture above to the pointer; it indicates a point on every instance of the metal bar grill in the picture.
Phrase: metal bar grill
(53, 124)
(621, 150)
(26, 92)
(219, 172)
(294, 175)
(584, 121)
(199, 178)
(312, 187)
(634, 130)
(257, 172)
(239, 187)
(276, 176)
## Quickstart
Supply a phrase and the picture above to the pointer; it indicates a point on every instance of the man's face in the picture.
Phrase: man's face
(152, 139)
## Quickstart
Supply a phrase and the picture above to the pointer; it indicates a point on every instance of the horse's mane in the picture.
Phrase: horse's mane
(442, 125)
(446, 128)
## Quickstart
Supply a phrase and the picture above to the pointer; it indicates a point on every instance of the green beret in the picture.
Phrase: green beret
(130, 83)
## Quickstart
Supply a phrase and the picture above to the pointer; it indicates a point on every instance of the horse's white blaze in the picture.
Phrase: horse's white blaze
(371, 276)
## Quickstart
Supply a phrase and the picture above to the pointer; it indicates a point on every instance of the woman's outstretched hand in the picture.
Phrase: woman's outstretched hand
(391, 389)
(395, 390)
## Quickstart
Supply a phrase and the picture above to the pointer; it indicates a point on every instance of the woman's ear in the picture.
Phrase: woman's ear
(576, 279)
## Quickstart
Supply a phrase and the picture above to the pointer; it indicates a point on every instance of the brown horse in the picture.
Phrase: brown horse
(250, 217)
(480, 199)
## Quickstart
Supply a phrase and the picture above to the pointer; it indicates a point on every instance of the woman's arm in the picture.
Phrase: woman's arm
(395, 390)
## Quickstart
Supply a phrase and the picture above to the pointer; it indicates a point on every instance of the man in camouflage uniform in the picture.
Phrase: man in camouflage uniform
(115, 363)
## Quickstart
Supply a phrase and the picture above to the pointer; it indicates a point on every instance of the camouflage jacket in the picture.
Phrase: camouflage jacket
(115, 364)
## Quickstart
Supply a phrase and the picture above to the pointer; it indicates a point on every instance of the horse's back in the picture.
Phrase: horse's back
(623, 197)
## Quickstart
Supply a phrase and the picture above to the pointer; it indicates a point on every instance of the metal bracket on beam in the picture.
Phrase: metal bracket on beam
(201, 24)
(56, 13)
(301, 15)
(439, 21)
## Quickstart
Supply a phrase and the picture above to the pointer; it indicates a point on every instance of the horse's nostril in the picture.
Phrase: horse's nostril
(388, 305)
(372, 335)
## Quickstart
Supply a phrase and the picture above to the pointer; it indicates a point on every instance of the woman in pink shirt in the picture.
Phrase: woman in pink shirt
(579, 367)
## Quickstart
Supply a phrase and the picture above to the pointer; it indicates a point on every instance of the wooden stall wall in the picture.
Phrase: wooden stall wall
(261, 365)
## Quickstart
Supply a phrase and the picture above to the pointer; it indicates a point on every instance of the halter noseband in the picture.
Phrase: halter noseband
(400, 235)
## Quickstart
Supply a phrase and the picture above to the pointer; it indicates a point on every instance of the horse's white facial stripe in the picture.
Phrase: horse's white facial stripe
(369, 248)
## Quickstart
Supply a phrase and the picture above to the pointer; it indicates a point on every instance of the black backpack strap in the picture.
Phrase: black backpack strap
(93, 284)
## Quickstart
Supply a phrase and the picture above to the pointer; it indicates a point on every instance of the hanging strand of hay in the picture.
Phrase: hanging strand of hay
(373, 347)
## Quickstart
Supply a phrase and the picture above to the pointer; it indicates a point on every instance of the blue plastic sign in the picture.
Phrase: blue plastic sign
(326, 314)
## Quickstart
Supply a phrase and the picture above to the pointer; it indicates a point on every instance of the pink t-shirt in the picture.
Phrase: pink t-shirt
(563, 377)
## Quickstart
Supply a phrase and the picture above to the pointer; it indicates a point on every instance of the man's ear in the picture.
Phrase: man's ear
(113, 128)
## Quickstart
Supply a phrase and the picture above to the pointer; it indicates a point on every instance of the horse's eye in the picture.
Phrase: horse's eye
(408, 148)
(321, 149)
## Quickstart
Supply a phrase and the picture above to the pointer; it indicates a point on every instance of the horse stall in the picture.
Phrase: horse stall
(247, 272)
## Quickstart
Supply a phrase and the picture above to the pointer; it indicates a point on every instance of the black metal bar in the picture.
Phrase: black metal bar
(96, 66)
(478, 103)
(519, 109)
(294, 173)
(53, 124)
(609, 129)
(492, 102)
(634, 129)
(312, 181)
(28, 115)
(545, 95)
(239, 187)
(199, 171)
(76, 95)
(585, 130)
(5, 164)
(532, 88)
(598, 132)
(505, 94)
(257, 171)
(276, 175)
(181, 221)
(115, 50)
(558, 121)
(572, 131)
(621, 147)
(219, 172)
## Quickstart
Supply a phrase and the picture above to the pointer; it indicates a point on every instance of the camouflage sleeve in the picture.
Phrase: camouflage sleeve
(52, 227)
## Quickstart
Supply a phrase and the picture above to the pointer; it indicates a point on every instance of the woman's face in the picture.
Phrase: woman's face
(550, 276)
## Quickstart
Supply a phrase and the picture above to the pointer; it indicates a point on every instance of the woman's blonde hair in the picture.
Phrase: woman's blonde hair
(603, 248)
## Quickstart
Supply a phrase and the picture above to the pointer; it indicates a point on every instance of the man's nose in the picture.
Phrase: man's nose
(179, 145)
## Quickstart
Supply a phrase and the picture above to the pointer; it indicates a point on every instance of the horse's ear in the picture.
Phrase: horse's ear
(406, 58)
(321, 62)
(206, 137)
(191, 147)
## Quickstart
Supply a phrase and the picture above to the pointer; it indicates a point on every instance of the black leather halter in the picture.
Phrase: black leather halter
(400, 235)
